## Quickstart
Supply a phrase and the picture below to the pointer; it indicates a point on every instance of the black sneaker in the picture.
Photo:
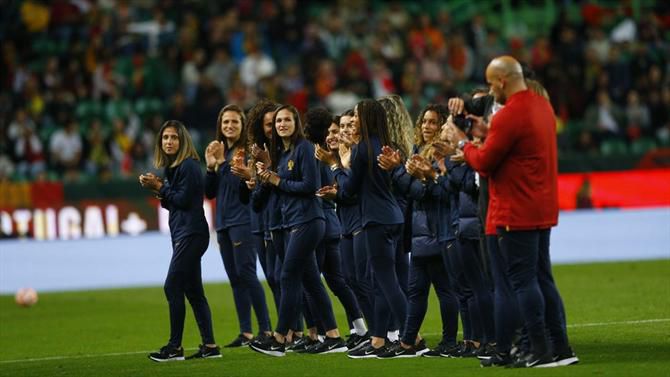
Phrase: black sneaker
(468, 349)
(450, 350)
(360, 345)
(329, 345)
(535, 361)
(205, 352)
(484, 352)
(240, 341)
(304, 345)
(367, 352)
(299, 345)
(421, 347)
(497, 360)
(566, 358)
(269, 347)
(167, 353)
(437, 351)
(355, 339)
(397, 351)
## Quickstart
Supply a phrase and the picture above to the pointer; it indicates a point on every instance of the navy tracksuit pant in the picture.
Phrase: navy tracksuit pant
(268, 263)
(184, 278)
(474, 273)
(300, 270)
(424, 271)
(451, 256)
(529, 272)
(390, 300)
(356, 268)
(239, 258)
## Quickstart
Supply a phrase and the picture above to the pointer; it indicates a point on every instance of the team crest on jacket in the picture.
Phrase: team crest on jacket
(290, 165)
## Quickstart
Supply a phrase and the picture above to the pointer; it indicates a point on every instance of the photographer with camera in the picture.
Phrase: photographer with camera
(520, 158)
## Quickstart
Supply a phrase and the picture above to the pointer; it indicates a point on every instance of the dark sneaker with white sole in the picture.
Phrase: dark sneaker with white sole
(167, 353)
(397, 351)
(497, 360)
(329, 345)
(566, 358)
(240, 341)
(205, 352)
(452, 351)
(484, 352)
(301, 344)
(354, 340)
(367, 352)
(535, 361)
(269, 347)
(360, 345)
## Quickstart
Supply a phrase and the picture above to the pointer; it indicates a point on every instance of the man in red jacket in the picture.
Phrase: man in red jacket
(519, 157)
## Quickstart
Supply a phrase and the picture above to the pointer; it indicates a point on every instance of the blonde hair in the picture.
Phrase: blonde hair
(399, 123)
(186, 147)
(536, 87)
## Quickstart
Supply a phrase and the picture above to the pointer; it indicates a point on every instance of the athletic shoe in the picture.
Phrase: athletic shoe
(304, 345)
(355, 339)
(421, 347)
(360, 345)
(535, 361)
(167, 353)
(468, 349)
(367, 352)
(397, 351)
(240, 341)
(329, 345)
(269, 347)
(484, 352)
(205, 352)
(437, 351)
(497, 360)
(566, 358)
(299, 345)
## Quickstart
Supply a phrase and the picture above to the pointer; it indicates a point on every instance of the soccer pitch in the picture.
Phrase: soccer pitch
(618, 319)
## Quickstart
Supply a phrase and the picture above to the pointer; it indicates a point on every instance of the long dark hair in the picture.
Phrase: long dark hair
(372, 121)
(255, 120)
(317, 121)
(242, 141)
(276, 146)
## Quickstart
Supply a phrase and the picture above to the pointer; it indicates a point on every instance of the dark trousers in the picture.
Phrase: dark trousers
(476, 277)
(184, 278)
(390, 300)
(506, 308)
(239, 259)
(330, 265)
(424, 271)
(451, 257)
(300, 270)
(268, 263)
(529, 272)
(402, 271)
(355, 265)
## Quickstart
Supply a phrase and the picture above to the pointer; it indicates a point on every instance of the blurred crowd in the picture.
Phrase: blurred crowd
(86, 83)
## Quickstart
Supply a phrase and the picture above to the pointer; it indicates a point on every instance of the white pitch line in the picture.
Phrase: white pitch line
(576, 325)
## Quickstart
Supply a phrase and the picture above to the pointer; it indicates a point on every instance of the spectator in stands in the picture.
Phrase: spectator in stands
(66, 151)
(29, 153)
(256, 65)
(605, 116)
(638, 122)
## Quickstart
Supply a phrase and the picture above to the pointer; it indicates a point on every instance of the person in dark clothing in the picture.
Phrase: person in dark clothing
(294, 176)
(224, 157)
(181, 193)
(381, 218)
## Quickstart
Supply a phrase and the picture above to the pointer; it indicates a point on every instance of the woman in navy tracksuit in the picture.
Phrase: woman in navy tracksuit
(295, 177)
(381, 219)
(181, 193)
(352, 243)
(259, 135)
(317, 123)
(233, 220)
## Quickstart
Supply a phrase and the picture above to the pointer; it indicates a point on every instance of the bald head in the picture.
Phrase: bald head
(505, 77)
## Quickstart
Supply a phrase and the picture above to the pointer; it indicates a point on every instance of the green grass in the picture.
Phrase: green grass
(108, 333)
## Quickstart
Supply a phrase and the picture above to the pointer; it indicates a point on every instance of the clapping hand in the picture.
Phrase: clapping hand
(389, 159)
(214, 155)
(266, 175)
(238, 167)
(151, 181)
(327, 192)
(324, 155)
(260, 154)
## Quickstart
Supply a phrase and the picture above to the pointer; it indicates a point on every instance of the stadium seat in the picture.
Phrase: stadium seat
(613, 147)
(642, 145)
